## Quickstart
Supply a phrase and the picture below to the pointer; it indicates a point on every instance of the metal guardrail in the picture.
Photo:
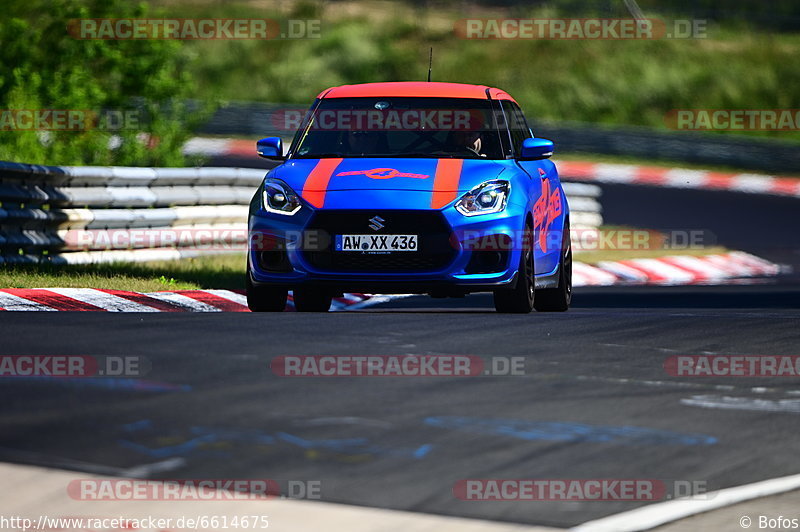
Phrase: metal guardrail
(86, 214)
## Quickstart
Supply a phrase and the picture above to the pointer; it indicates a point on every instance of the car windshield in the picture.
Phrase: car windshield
(400, 127)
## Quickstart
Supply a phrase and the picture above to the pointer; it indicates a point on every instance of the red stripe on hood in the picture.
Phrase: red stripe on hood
(316, 185)
(445, 182)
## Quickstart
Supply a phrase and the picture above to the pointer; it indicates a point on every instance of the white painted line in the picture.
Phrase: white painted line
(375, 300)
(653, 515)
(103, 300)
(743, 403)
(148, 470)
(181, 300)
(12, 302)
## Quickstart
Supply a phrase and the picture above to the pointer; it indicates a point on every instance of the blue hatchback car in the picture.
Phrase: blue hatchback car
(410, 187)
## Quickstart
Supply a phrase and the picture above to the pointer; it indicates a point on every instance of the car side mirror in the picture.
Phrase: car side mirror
(536, 148)
(270, 148)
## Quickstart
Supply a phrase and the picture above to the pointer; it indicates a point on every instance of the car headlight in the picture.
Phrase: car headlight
(279, 198)
(486, 198)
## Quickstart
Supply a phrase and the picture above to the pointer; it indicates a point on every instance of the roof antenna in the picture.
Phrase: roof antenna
(430, 64)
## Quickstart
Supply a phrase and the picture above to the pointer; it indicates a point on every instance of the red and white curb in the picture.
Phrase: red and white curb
(727, 268)
(678, 270)
(678, 178)
(101, 300)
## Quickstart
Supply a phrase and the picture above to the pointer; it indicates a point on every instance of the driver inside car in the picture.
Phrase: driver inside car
(470, 141)
(362, 142)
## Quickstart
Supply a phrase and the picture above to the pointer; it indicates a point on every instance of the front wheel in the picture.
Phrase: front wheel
(519, 300)
(558, 299)
(306, 300)
(265, 298)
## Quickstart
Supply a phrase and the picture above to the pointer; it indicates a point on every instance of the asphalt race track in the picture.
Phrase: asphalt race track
(595, 400)
(404, 442)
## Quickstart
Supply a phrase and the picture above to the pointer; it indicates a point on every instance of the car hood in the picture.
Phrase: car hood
(328, 175)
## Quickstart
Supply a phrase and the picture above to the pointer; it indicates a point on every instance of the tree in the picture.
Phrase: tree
(129, 94)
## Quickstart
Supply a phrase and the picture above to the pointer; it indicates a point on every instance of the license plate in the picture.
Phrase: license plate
(376, 243)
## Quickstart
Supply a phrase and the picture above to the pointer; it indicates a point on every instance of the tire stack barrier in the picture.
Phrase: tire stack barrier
(92, 214)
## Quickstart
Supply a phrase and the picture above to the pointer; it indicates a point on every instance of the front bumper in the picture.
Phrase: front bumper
(456, 255)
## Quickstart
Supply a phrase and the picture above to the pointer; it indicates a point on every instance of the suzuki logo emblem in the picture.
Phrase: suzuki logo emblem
(377, 223)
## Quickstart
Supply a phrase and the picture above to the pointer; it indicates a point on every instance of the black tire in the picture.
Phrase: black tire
(265, 298)
(520, 299)
(309, 300)
(558, 299)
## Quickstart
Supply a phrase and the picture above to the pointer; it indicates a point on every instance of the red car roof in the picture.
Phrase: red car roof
(430, 89)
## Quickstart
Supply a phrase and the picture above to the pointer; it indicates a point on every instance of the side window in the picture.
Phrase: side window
(499, 124)
(517, 126)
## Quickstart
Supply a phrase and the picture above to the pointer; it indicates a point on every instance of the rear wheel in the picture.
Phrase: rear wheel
(265, 298)
(558, 299)
(309, 300)
(519, 300)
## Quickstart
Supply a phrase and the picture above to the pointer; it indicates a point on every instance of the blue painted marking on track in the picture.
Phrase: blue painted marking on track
(571, 432)
(201, 436)
(422, 450)
(238, 435)
(110, 383)
(138, 425)
(171, 450)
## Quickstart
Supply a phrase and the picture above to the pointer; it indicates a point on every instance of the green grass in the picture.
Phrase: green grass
(606, 82)
(655, 242)
(218, 271)
(593, 257)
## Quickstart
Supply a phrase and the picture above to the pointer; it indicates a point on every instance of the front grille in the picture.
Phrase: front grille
(434, 249)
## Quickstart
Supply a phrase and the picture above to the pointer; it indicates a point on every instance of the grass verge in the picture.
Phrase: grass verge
(218, 271)
(593, 257)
